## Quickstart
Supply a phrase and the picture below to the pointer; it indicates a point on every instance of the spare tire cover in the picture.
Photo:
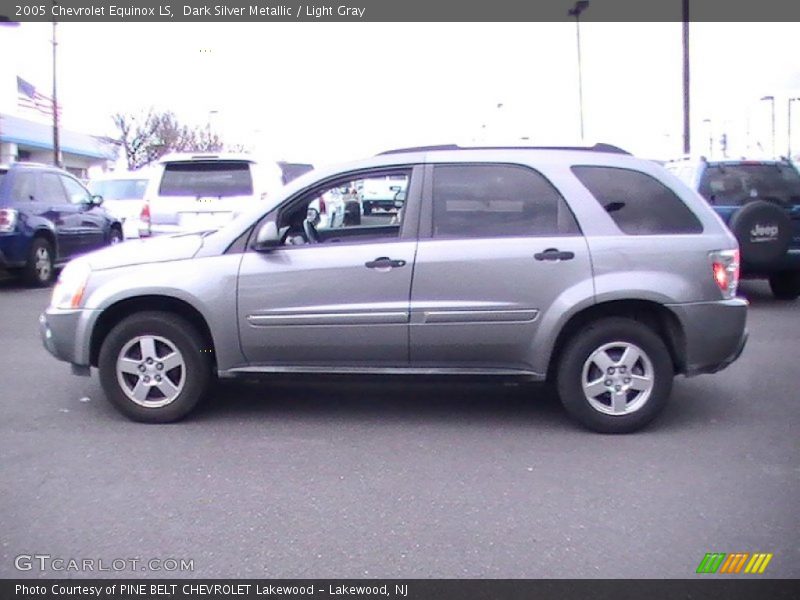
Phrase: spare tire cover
(763, 230)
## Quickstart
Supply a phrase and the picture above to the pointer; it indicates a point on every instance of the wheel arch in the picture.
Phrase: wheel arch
(660, 319)
(121, 309)
(50, 236)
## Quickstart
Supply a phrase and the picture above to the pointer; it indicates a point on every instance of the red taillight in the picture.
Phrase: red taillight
(8, 219)
(721, 276)
(725, 269)
(145, 214)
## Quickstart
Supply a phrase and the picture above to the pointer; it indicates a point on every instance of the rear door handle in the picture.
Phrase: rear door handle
(384, 262)
(554, 254)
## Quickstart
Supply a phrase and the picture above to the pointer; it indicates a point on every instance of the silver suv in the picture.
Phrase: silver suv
(590, 268)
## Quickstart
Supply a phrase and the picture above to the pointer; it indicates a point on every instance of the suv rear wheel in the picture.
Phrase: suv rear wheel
(615, 375)
(785, 285)
(153, 367)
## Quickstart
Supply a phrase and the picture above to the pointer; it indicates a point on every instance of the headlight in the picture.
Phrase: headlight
(71, 284)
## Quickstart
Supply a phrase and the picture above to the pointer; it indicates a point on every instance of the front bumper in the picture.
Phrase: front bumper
(715, 333)
(66, 334)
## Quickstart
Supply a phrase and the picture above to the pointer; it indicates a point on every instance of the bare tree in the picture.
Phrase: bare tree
(147, 137)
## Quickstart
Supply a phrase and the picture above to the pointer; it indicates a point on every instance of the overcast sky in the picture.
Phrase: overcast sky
(327, 92)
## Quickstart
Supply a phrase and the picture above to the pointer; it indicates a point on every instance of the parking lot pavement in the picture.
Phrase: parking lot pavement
(405, 478)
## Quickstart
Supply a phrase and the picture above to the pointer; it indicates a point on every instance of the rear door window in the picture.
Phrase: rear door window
(736, 184)
(484, 201)
(638, 203)
(215, 179)
(51, 190)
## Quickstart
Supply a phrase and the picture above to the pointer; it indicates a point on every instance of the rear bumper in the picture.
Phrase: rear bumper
(14, 250)
(715, 333)
(154, 230)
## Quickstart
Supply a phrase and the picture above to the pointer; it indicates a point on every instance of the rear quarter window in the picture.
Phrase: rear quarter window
(638, 203)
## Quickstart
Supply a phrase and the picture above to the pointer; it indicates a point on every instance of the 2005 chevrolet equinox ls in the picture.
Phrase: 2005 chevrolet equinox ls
(590, 268)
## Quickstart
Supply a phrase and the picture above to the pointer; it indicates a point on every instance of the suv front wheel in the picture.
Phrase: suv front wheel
(615, 375)
(154, 367)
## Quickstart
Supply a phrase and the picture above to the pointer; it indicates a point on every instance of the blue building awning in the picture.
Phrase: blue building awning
(37, 135)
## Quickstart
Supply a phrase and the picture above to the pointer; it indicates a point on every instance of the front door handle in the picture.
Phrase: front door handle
(554, 254)
(384, 262)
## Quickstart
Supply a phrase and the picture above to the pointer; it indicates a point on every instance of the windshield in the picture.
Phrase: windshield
(119, 189)
(733, 185)
(215, 179)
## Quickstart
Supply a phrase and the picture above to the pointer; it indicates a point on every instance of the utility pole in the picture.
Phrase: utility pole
(56, 141)
(686, 132)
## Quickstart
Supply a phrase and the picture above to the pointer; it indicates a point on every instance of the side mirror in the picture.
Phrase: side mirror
(96, 200)
(267, 237)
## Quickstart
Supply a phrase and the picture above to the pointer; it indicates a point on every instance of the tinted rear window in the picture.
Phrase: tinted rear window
(119, 189)
(733, 185)
(214, 179)
(485, 201)
(638, 203)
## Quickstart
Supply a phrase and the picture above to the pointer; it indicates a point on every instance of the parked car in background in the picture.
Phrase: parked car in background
(589, 268)
(193, 192)
(123, 196)
(48, 217)
(383, 193)
(760, 202)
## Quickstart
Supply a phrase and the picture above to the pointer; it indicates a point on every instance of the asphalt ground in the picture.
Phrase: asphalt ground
(364, 477)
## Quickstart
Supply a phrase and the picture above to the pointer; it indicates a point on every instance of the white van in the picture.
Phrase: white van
(194, 192)
(123, 196)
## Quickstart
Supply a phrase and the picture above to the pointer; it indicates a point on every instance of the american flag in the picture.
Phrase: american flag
(29, 99)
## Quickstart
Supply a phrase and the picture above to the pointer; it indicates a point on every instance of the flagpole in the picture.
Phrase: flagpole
(56, 141)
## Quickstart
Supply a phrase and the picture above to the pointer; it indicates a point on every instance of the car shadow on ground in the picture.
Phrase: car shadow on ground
(385, 400)
(758, 293)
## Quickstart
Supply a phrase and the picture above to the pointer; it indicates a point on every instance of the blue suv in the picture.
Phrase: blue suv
(48, 217)
(759, 200)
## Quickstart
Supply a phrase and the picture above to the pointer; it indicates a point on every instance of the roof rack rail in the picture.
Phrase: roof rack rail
(596, 148)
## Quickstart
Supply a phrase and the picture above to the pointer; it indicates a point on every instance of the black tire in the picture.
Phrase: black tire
(115, 236)
(764, 232)
(182, 336)
(39, 269)
(575, 356)
(785, 285)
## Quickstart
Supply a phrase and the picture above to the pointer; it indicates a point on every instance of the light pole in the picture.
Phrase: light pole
(772, 103)
(710, 139)
(580, 6)
(56, 141)
(789, 129)
(686, 132)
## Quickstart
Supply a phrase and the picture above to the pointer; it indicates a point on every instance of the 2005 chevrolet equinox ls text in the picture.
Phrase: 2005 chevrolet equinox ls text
(590, 268)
